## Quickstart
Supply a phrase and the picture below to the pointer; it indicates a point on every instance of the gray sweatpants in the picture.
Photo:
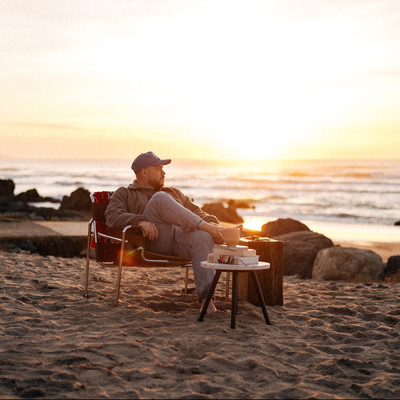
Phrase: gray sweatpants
(178, 235)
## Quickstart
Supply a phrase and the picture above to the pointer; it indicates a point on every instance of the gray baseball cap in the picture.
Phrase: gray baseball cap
(145, 160)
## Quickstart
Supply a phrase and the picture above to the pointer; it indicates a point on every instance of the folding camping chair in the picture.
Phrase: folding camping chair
(110, 246)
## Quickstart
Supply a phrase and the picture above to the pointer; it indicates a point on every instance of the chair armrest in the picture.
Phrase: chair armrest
(133, 233)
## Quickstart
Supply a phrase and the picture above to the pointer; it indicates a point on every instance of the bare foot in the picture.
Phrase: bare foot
(211, 307)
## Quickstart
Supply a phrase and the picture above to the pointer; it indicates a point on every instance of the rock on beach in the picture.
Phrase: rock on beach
(282, 226)
(27, 205)
(300, 250)
(392, 266)
(300, 245)
(223, 213)
(348, 264)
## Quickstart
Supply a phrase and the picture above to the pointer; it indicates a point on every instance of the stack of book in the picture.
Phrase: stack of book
(239, 255)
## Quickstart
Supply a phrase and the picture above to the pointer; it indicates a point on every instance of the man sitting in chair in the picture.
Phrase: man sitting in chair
(171, 222)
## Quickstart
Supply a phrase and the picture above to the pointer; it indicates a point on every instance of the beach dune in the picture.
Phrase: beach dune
(328, 340)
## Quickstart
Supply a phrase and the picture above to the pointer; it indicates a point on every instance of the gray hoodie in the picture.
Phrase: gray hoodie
(127, 204)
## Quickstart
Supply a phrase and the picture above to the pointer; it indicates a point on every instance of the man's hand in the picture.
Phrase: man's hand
(214, 230)
(150, 231)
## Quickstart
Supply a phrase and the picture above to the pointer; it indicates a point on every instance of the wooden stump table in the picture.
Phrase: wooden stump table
(271, 279)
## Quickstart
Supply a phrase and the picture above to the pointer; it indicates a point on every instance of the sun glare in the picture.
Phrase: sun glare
(223, 80)
(254, 223)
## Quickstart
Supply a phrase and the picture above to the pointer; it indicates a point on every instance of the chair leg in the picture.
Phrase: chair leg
(117, 289)
(234, 299)
(121, 256)
(85, 294)
(186, 279)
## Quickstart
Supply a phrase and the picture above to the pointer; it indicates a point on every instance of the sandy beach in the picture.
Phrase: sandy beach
(328, 340)
(122, 113)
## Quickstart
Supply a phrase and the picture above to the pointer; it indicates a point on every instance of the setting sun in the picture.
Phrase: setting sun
(254, 224)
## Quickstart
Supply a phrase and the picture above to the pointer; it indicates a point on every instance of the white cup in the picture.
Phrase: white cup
(231, 236)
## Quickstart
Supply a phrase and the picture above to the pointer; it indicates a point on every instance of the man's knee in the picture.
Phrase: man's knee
(160, 197)
(157, 203)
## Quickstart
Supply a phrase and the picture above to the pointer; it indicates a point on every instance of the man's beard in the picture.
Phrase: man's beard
(157, 184)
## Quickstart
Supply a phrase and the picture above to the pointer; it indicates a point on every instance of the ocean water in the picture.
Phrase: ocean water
(342, 191)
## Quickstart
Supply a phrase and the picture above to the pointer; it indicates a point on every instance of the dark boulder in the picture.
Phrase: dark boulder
(18, 210)
(32, 196)
(392, 266)
(240, 203)
(281, 226)
(74, 207)
(300, 250)
(225, 214)
(7, 187)
(78, 201)
(8, 206)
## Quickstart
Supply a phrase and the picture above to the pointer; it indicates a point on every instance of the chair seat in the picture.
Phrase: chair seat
(142, 258)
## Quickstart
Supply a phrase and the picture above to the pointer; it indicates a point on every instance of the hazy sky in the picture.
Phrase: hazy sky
(267, 78)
